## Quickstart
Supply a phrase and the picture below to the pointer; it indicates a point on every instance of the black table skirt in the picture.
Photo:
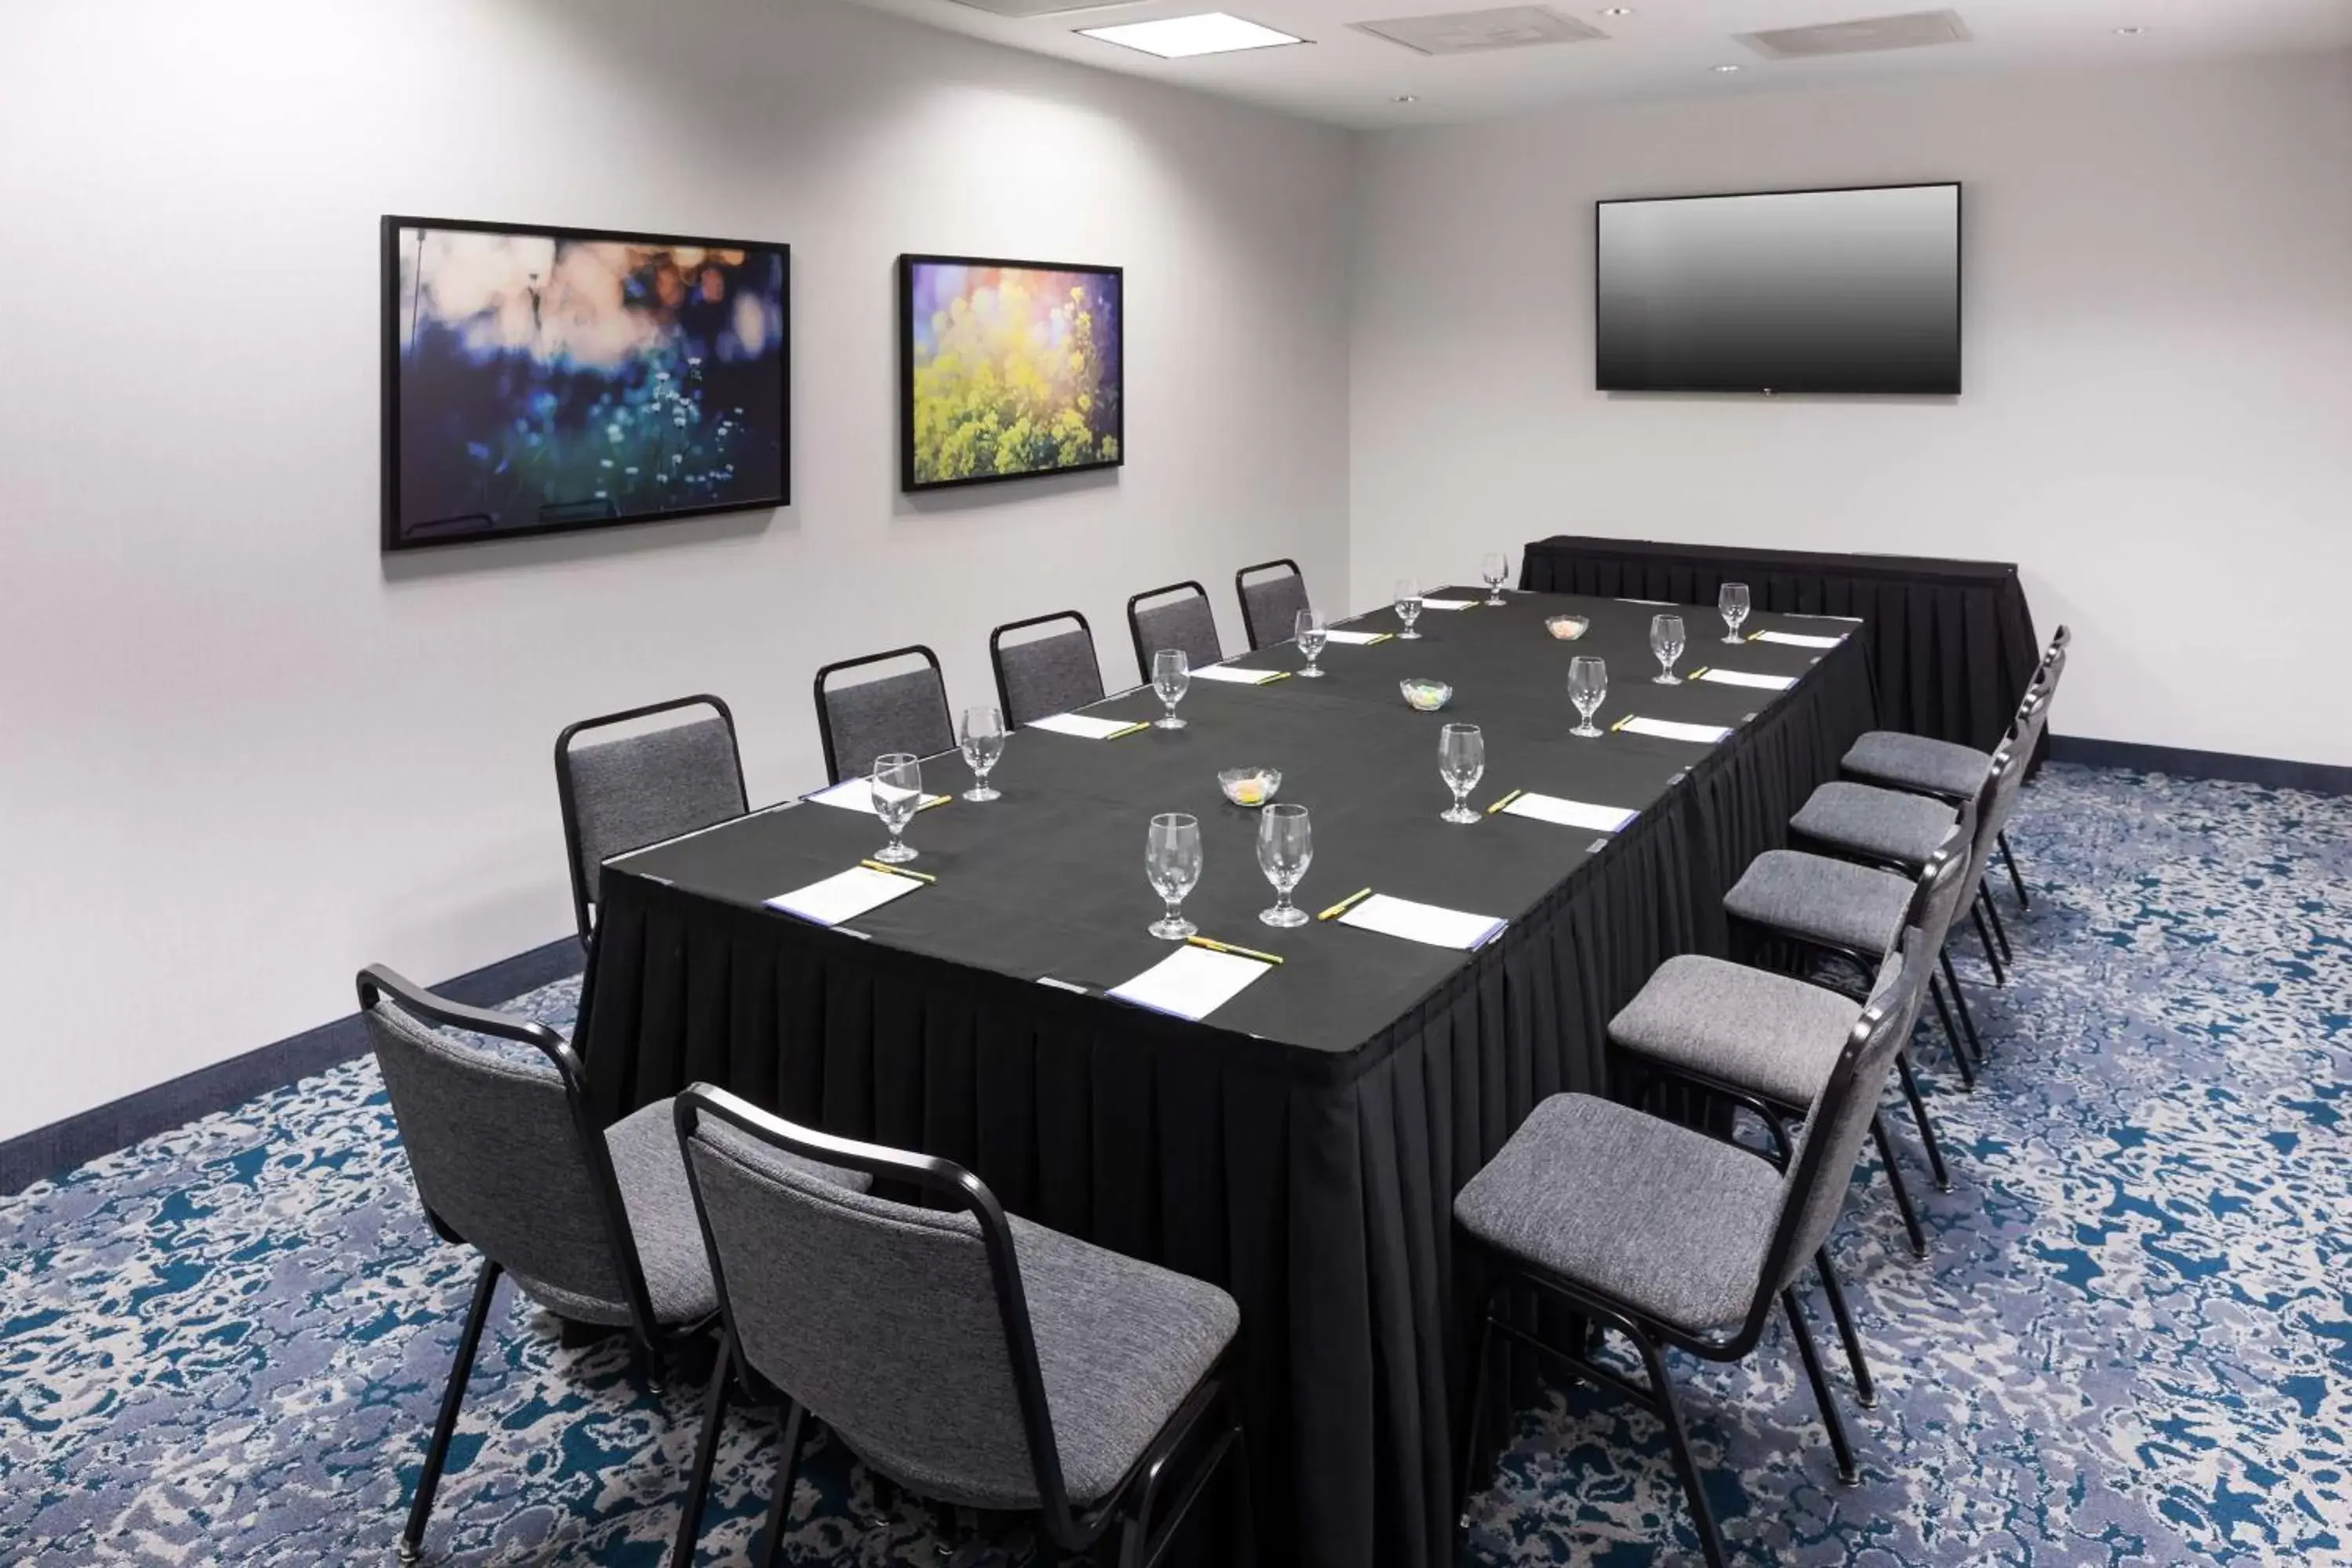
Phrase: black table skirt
(1952, 641)
(1316, 1188)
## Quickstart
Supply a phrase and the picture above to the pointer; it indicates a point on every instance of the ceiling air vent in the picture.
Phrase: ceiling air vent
(1914, 30)
(1479, 32)
(1019, 8)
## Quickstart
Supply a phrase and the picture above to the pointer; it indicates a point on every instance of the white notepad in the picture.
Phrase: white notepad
(1237, 677)
(1796, 639)
(1447, 604)
(1191, 983)
(1083, 725)
(1809, 615)
(1664, 604)
(857, 795)
(1570, 813)
(1423, 923)
(1749, 678)
(1335, 635)
(1668, 729)
(845, 896)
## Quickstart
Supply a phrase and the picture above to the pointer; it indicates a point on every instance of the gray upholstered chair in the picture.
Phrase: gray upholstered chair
(868, 719)
(595, 1224)
(1920, 766)
(1185, 622)
(975, 1360)
(641, 788)
(1671, 1237)
(1270, 606)
(1044, 675)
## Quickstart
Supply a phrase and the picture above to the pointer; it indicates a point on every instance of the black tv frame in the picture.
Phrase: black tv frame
(1959, 287)
(389, 230)
(908, 261)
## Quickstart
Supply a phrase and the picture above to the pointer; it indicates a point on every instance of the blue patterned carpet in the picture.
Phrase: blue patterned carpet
(2132, 1344)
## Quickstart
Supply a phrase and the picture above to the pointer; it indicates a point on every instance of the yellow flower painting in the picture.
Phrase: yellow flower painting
(1011, 369)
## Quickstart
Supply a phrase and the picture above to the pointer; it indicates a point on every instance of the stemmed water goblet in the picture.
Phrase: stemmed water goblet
(1732, 600)
(1461, 763)
(980, 739)
(1408, 606)
(896, 786)
(1666, 642)
(1588, 687)
(1310, 632)
(1171, 674)
(1286, 848)
(1493, 571)
(1172, 859)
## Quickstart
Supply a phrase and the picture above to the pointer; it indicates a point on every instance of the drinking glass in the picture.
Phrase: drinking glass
(982, 740)
(898, 786)
(1172, 859)
(1588, 687)
(1408, 605)
(1666, 642)
(1310, 630)
(1461, 763)
(1732, 600)
(1495, 569)
(1286, 848)
(1171, 673)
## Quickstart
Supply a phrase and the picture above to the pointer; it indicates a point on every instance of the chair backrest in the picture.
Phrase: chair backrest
(1045, 675)
(1184, 622)
(2009, 765)
(633, 790)
(505, 1156)
(904, 1329)
(1947, 880)
(1839, 1119)
(904, 712)
(1270, 608)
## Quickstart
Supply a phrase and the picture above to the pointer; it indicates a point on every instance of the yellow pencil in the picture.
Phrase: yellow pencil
(1131, 729)
(1379, 637)
(1504, 801)
(931, 801)
(1344, 905)
(897, 871)
(1228, 947)
(1620, 723)
(1277, 675)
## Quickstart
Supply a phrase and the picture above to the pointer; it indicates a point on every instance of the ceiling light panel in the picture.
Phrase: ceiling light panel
(1182, 37)
(1482, 31)
(1870, 35)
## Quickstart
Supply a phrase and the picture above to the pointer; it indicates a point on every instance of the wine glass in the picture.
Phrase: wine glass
(1172, 859)
(1493, 571)
(982, 740)
(1588, 687)
(1171, 674)
(1461, 763)
(1666, 642)
(1286, 848)
(1408, 605)
(1310, 634)
(1732, 600)
(898, 789)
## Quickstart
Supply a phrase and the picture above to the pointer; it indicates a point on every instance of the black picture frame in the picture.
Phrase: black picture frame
(396, 536)
(907, 262)
(1959, 287)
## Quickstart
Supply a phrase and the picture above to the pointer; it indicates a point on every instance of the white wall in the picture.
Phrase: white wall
(239, 753)
(2158, 416)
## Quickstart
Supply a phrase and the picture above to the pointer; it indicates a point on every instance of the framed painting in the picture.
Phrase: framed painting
(1008, 370)
(543, 380)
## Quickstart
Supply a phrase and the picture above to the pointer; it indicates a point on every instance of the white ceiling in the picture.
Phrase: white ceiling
(1666, 48)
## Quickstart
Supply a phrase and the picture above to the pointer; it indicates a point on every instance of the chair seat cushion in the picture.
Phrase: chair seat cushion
(1836, 902)
(1883, 824)
(1665, 1219)
(1915, 762)
(1774, 1037)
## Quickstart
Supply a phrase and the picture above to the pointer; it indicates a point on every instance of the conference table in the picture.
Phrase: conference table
(1301, 1145)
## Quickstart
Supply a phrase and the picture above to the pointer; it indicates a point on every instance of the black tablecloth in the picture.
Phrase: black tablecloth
(1301, 1147)
(1952, 641)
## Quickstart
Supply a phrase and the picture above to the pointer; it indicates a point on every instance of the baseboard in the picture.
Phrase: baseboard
(2321, 778)
(58, 1148)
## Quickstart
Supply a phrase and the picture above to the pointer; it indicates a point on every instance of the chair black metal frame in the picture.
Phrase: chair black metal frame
(567, 796)
(1130, 1505)
(1651, 1335)
(824, 715)
(1249, 626)
(647, 1336)
(997, 652)
(1135, 631)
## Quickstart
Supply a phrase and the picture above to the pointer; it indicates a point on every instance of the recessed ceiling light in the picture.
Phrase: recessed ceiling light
(1727, 69)
(1406, 98)
(1617, 10)
(1179, 38)
(2129, 32)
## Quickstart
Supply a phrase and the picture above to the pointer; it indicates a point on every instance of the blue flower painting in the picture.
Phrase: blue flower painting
(546, 379)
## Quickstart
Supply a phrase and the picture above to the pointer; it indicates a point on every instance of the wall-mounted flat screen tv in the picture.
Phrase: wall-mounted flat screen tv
(537, 380)
(1812, 292)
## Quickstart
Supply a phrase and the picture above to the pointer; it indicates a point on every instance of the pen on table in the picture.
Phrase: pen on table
(1695, 674)
(1277, 675)
(1131, 729)
(897, 871)
(1344, 905)
(1228, 947)
(1504, 801)
(1620, 723)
